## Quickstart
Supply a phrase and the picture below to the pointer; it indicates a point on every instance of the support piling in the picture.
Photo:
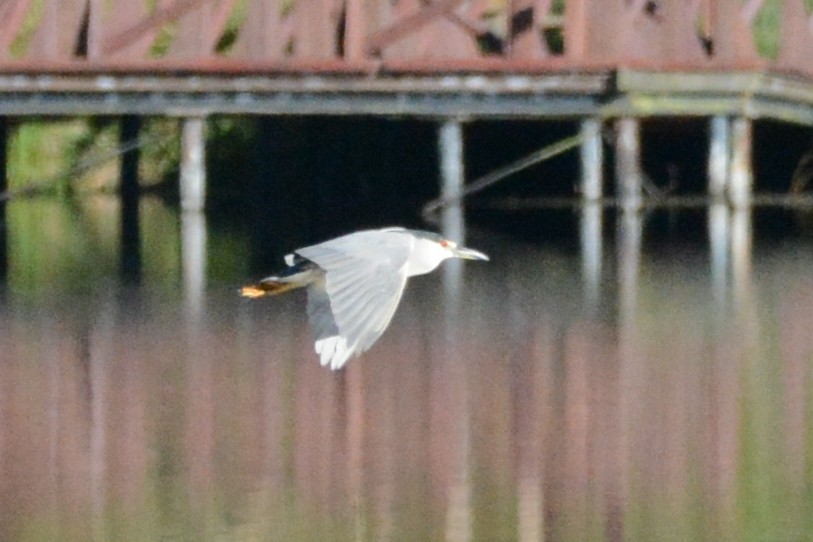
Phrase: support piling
(452, 173)
(719, 156)
(591, 157)
(628, 175)
(741, 176)
(193, 164)
(452, 176)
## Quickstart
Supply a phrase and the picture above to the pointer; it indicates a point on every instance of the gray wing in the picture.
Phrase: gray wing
(364, 278)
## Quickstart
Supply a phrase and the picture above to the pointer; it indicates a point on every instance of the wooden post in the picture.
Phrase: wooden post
(628, 176)
(742, 174)
(128, 194)
(591, 159)
(193, 164)
(719, 156)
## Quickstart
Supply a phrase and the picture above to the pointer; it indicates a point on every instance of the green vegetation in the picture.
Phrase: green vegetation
(766, 27)
(68, 157)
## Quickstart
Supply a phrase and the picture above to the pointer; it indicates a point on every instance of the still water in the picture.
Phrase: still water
(647, 382)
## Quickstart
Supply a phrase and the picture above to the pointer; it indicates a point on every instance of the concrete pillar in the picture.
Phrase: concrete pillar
(129, 195)
(193, 164)
(719, 156)
(628, 175)
(742, 175)
(452, 174)
(452, 178)
(590, 228)
(591, 159)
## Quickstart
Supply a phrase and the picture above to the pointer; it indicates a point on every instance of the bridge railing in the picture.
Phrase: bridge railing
(444, 35)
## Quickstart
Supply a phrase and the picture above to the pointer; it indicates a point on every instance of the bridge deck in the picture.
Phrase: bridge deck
(600, 92)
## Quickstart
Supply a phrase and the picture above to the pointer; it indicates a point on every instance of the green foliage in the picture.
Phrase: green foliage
(767, 27)
(82, 155)
(38, 154)
(20, 44)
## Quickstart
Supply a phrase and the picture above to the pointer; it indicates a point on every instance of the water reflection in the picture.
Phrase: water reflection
(509, 409)
(193, 254)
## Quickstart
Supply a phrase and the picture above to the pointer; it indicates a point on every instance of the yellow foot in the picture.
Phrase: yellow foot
(252, 292)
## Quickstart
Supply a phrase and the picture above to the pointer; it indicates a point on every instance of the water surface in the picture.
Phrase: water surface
(649, 383)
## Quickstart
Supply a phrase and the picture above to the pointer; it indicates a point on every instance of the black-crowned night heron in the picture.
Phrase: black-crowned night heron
(355, 283)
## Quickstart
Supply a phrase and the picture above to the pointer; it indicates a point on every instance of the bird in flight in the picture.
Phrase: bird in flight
(355, 282)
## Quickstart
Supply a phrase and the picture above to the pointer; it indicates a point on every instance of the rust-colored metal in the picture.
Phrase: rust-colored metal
(316, 28)
(59, 35)
(525, 39)
(12, 15)
(433, 35)
(414, 22)
(796, 47)
(159, 17)
(265, 31)
(731, 38)
(196, 33)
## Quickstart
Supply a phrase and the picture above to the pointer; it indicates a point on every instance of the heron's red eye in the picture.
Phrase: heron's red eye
(444, 243)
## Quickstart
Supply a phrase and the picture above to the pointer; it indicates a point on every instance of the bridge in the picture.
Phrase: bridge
(593, 61)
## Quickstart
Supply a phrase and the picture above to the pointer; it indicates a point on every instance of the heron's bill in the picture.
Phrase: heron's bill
(470, 254)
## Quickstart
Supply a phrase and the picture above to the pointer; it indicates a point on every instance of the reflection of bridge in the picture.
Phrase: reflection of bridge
(589, 60)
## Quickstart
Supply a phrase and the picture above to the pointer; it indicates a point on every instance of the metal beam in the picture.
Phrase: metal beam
(561, 95)
(158, 17)
(409, 24)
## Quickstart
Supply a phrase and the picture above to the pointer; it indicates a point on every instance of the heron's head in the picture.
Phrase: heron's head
(429, 249)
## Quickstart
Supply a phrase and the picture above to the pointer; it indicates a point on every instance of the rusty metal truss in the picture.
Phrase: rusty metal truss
(499, 58)
(398, 35)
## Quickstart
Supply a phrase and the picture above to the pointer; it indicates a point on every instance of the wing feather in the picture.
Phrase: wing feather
(365, 275)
